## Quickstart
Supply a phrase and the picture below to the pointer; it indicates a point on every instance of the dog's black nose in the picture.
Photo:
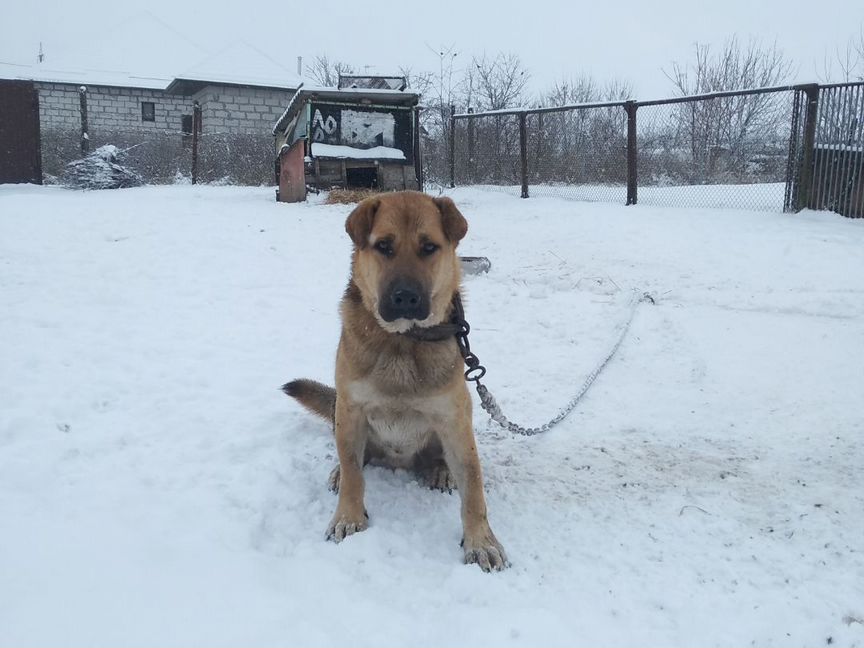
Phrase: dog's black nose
(404, 299)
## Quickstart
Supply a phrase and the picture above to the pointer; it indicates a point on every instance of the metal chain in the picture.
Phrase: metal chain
(476, 371)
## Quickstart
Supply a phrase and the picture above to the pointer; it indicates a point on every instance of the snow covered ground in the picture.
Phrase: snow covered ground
(157, 489)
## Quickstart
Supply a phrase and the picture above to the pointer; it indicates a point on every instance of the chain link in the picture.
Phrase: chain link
(476, 371)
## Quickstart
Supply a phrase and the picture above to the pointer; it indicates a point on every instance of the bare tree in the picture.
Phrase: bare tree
(419, 82)
(495, 83)
(849, 60)
(441, 89)
(325, 72)
(585, 89)
(498, 82)
(726, 128)
(583, 145)
(733, 67)
(439, 93)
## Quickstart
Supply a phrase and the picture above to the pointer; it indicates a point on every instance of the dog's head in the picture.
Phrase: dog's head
(405, 262)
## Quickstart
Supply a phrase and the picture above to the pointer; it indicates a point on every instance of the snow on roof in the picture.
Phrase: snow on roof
(242, 64)
(15, 72)
(351, 153)
(142, 44)
(286, 114)
(371, 92)
(124, 56)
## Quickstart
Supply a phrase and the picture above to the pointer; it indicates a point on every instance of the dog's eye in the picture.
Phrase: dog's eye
(385, 247)
(428, 248)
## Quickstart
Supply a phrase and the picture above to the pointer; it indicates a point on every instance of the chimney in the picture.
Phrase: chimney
(300, 66)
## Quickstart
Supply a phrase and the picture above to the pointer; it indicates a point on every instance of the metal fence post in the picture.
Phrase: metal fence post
(452, 146)
(632, 168)
(470, 170)
(85, 128)
(523, 152)
(196, 129)
(418, 156)
(805, 175)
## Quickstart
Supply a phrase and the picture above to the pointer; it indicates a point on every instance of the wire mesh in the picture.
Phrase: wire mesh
(738, 149)
(729, 151)
(236, 158)
(434, 157)
(487, 153)
(165, 156)
(578, 154)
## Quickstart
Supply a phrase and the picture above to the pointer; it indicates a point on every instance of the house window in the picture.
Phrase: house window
(186, 129)
(148, 111)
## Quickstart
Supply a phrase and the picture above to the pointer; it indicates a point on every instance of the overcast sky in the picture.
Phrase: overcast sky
(629, 40)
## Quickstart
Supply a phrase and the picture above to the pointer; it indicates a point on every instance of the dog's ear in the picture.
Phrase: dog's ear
(359, 223)
(452, 221)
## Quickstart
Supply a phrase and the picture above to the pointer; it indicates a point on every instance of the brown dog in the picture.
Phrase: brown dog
(401, 398)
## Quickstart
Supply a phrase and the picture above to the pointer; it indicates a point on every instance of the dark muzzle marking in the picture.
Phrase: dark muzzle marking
(404, 298)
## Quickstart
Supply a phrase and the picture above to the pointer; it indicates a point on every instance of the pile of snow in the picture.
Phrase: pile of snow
(101, 169)
(156, 487)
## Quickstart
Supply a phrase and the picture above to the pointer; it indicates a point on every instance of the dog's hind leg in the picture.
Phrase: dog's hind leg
(432, 470)
(439, 477)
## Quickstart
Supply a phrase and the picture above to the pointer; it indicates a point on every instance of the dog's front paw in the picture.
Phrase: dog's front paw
(343, 525)
(486, 552)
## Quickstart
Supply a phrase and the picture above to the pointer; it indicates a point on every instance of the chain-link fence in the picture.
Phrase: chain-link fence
(578, 154)
(725, 151)
(165, 157)
(741, 149)
(489, 153)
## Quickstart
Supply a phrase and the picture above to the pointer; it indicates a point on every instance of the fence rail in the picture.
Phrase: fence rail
(771, 148)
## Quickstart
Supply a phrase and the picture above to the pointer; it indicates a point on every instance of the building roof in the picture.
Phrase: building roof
(239, 64)
(372, 81)
(356, 96)
(80, 76)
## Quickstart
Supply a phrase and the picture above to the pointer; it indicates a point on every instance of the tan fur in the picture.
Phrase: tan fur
(402, 402)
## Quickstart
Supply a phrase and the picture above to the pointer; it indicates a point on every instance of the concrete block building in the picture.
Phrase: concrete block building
(46, 113)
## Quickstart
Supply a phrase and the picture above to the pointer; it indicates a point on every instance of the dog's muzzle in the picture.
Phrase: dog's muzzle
(406, 299)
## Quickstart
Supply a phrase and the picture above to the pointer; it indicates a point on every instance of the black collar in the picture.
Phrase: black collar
(443, 331)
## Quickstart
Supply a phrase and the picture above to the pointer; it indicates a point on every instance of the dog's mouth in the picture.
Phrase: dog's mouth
(403, 325)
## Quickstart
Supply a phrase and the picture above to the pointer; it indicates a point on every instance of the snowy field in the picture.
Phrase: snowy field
(157, 489)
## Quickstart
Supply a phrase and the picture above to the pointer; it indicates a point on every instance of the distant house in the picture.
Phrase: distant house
(348, 137)
(56, 109)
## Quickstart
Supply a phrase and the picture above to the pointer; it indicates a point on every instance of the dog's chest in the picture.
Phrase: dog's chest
(399, 427)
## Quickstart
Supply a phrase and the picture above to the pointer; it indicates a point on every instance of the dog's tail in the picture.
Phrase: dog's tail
(317, 398)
